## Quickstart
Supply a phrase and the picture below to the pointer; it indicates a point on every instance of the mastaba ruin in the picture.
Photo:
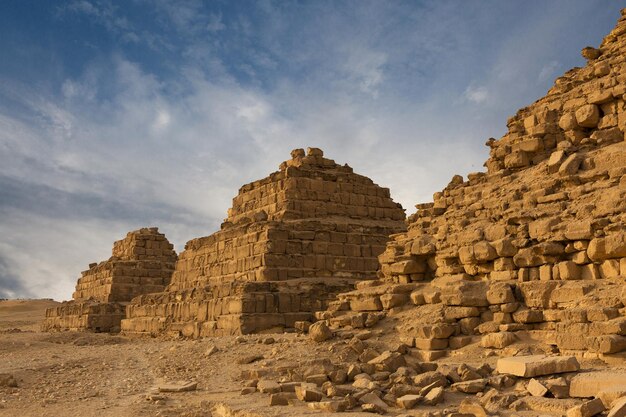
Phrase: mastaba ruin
(142, 262)
(291, 242)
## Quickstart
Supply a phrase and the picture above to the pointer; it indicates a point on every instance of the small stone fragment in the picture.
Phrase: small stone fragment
(536, 388)
(178, 386)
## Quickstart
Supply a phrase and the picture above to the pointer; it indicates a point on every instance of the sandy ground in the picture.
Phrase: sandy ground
(88, 374)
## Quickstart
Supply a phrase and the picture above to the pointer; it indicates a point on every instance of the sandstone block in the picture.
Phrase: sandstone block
(536, 365)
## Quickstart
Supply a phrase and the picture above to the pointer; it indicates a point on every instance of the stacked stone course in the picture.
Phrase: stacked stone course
(535, 247)
(291, 242)
(142, 262)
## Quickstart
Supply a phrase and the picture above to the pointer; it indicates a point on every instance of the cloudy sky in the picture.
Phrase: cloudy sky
(120, 114)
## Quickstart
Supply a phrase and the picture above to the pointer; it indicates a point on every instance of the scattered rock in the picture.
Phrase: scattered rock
(320, 331)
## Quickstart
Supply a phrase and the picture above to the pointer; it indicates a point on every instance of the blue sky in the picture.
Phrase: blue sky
(120, 114)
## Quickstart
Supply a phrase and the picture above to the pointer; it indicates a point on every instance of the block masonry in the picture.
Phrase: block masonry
(536, 246)
(141, 263)
(291, 242)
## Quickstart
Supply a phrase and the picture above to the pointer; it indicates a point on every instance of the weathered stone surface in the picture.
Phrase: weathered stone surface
(586, 409)
(320, 332)
(498, 340)
(537, 365)
(141, 263)
(618, 409)
(536, 388)
(589, 384)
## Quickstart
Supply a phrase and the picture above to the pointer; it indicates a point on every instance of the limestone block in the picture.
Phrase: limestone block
(536, 294)
(528, 316)
(500, 293)
(536, 365)
(484, 252)
(606, 343)
(517, 159)
(589, 384)
(610, 268)
(586, 409)
(618, 409)
(320, 332)
(579, 230)
(393, 300)
(408, 401)
(498, 340)
(568, 121)
(610, 396)
(536, 388)
(568, 270)
(556, 159)
(388, 361)
(588, 115)
(371, 303)
(435, 331)
(465, 293)
(408, 267)
(571, 164)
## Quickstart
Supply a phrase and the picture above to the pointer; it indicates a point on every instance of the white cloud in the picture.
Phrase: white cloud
(476, 94)
(548, 71)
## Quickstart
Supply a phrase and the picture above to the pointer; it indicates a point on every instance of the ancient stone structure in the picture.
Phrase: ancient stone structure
(290, 243)
(535, 247)
(141, 263)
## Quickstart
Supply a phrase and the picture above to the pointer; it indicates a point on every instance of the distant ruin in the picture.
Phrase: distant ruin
(142, 262)
(291, 242)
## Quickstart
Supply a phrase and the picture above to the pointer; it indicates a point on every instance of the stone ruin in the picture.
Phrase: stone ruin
(142, 262)
(536, 246)
(291, 242)
(526, 262)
